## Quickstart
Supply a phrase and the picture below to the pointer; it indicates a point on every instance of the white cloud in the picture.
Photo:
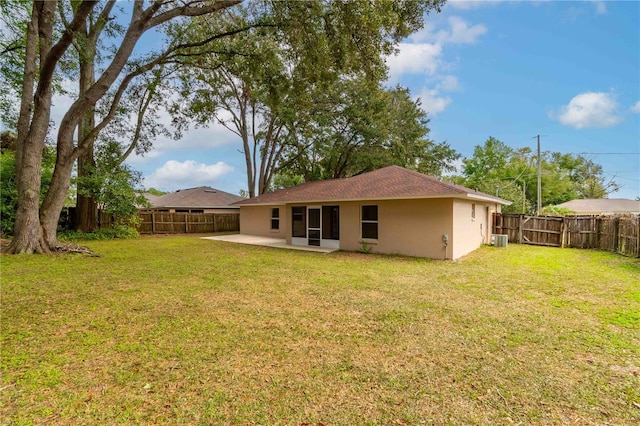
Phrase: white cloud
(414, 58)
(432, 101)
(590, 109)
(462, 33)
(179, 175)
(635, 107)
(449, 83)
(424, 51)
(601, 7)
(458, 32)
(471, 4)
(194, 138)
(423, 55)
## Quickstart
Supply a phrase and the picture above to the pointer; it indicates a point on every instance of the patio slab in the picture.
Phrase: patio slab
(266, 242)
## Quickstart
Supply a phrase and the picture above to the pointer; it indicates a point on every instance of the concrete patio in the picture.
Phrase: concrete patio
(266, 242)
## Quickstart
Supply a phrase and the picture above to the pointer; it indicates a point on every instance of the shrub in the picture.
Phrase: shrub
(117, 232)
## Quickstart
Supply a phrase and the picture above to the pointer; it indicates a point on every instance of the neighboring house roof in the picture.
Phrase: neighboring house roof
(603, 206)
(151, 198)
(200, 197)
(393, 182)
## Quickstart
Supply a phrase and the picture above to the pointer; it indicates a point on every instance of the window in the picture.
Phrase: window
(330, 222)
(370, 222)
(473, 212)
(314, 218)
(275, 218)
(299, 222)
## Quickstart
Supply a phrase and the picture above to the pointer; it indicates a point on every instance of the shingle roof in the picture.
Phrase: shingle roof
(200, 197)
(392, 182)
(602, 206)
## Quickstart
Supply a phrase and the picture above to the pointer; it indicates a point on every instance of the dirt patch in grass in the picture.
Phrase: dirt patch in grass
(182, 330)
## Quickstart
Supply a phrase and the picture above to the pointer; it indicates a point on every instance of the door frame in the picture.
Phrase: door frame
(311, 229)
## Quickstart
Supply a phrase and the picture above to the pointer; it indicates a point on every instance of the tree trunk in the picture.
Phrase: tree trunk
(86, 212)
(32, 130)
(27, 233)
(55, 198)
(86, 205)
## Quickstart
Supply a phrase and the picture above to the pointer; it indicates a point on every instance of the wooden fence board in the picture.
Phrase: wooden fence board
(618, 234)
(179, 223)
(172, 223)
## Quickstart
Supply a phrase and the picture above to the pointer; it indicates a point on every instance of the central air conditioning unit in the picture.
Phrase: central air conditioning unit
(499, 240)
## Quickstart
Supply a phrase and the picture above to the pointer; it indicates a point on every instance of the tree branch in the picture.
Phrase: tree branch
(47, 68)
(188, 10)
(144, 105)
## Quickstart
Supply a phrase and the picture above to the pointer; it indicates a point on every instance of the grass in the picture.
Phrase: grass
(177, 330)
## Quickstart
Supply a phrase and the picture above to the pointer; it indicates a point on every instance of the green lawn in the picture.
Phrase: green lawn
(177, 330)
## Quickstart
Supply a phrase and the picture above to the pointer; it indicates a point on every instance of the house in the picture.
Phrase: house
(603, 206)
(390, 210)
(202, 199)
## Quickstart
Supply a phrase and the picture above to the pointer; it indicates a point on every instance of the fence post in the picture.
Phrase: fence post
(520, 220)
(638, 236)
(616, 234)
(215, 226)
(186, 223)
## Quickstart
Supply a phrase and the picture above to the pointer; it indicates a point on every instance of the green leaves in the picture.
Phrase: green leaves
(301, 86)
(511, 174)
(356, 126)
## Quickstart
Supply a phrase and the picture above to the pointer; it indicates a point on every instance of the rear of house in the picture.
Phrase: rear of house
(391, 210)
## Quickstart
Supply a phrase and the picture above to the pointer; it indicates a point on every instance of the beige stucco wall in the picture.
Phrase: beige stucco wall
(256, 220)
(470, 233)
(407, 227)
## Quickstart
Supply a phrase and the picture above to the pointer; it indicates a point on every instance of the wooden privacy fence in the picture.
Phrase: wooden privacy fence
(167, 223)
(619, 234)
(178, 223)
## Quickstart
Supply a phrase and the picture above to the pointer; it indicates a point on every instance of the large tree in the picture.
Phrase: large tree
(355, 127)
(35, 226)
(266, 85)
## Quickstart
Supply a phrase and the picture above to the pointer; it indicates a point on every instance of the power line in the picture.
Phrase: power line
(607, 153)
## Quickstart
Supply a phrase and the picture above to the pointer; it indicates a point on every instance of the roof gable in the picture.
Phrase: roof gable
(392, 182)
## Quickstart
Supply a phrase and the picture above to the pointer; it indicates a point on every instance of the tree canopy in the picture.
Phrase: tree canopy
(301, 69)
(510, 173)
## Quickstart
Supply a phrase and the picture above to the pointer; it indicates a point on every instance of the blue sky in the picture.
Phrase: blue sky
(569, 71)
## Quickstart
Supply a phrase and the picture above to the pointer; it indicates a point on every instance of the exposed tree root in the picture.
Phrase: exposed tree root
(73, 248)
(6, 248)
(15, 247)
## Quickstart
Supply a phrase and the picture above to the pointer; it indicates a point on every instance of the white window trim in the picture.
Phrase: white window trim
(377, 222)
(275, 218)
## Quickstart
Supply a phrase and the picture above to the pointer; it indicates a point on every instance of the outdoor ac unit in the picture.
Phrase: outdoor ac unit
(499, 240)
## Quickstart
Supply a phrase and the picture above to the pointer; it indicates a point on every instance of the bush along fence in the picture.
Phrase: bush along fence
(167, 223)
(618, 234)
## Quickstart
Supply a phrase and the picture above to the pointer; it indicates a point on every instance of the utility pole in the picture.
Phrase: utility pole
(539, 180)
